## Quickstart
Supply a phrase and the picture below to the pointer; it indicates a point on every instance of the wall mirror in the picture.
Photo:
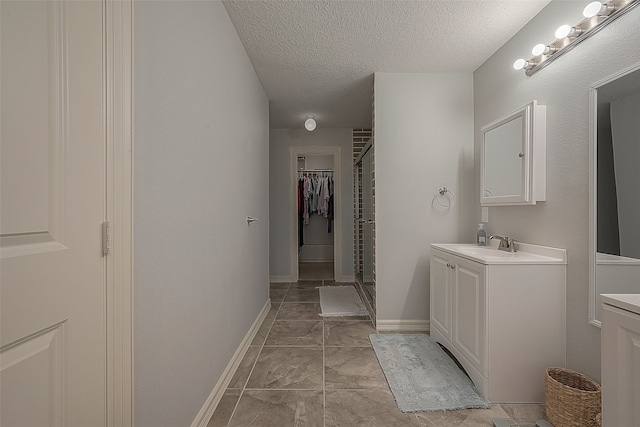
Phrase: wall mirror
(513, 158)
(614, 246)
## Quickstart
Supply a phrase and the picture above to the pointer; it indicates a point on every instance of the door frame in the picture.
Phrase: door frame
(118, 92)
(294, 153)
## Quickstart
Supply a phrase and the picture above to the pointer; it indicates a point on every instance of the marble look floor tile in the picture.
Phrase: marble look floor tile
(302, 295)
(279, 408)
(244, 369)
(284, 286)
(462, 418)
(227, 404)
(299, 311)
(351, 333)
(309, 284)
(275, 306)
(370, 408)
(277, 295)
(524, 413)
(287, 368)
(292, 333)
(262, 333)
(352, 368)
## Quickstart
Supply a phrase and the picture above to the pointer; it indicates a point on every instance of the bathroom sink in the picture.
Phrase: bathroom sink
(483, 251)
(527, 254)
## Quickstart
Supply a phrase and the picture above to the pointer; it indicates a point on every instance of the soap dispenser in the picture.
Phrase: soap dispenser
(481, 236)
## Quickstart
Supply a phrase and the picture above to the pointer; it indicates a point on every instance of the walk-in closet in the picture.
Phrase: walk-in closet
(316, 214)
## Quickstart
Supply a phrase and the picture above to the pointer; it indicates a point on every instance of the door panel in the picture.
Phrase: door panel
(53, 330)
(469, 308)
(440, 295)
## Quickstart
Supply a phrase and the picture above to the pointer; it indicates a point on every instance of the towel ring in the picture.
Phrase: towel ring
(443, 192)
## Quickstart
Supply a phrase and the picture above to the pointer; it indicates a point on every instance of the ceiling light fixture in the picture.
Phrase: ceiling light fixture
(568, 37)
(309, 124)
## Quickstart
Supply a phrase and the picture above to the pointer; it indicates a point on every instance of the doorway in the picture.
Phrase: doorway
(315, 214)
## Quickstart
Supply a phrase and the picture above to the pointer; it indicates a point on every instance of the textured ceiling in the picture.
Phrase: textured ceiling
(317, 58)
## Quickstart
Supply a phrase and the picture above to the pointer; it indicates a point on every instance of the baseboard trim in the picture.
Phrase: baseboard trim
(347, 279)
(280, 279)
(402, 325)
(203, 417)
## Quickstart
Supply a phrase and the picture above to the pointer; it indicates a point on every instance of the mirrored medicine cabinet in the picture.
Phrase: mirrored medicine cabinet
(513, 158)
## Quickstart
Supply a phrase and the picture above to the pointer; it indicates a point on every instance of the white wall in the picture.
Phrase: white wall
(562, 221)
(280, 140)
(423, 141)
(201, 150)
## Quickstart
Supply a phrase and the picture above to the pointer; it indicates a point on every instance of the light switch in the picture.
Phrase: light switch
(485, 214)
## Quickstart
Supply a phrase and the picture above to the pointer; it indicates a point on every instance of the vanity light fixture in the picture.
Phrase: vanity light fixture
(309, 124)
(597, 16)
(523, 64)
(567, 31)
(596, 8)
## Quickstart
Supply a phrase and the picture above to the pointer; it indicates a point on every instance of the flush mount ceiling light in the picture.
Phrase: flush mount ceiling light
(597, 16)
(309, 124)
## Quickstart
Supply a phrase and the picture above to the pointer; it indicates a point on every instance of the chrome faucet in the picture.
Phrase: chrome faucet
(506, 244)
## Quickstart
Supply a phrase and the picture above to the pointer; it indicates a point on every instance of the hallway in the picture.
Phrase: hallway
(303, 370)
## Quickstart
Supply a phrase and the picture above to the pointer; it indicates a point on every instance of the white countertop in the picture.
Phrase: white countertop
(629, 302)
(526, 254)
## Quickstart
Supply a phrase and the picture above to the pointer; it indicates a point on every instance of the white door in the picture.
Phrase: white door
(53, 351)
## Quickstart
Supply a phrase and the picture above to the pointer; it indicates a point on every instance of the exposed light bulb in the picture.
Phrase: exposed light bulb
(563, 31)
(310, 124)
(592, 9)
(520, 64)
(538, 49)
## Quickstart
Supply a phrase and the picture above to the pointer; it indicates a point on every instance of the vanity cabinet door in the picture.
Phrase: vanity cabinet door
(440, 294)
(469, 311)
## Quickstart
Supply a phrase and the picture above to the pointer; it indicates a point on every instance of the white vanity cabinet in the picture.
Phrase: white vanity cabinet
(501, 315)
(621, 360)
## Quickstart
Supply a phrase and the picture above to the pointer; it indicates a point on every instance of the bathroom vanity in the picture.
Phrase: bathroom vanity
(501, 314)
(620, 360)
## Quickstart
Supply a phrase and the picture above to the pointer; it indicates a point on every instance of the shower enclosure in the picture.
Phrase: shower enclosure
(365, 228)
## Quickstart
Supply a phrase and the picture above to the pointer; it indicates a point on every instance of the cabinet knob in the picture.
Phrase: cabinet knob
(448, 264)
(452, 266)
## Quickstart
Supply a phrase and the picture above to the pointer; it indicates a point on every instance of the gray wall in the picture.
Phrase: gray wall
(423, 141)
(562, 221)
(201, 150)
(280, 140)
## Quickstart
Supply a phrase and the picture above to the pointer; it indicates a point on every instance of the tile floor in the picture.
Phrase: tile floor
(315, 270)
(305, 371)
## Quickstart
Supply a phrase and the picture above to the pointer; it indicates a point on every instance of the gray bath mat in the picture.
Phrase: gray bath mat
(341, 301)
(421, 375)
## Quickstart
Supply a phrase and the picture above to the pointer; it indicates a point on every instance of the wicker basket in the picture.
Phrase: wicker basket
(572, 399)
(599, 420)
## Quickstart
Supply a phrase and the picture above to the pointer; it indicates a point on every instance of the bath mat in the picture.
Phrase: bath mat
(421, 376)
(341, 301)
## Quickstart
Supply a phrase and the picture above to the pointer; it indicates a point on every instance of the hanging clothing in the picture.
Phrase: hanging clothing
(315, 196)
(330, 205)
(300, 213)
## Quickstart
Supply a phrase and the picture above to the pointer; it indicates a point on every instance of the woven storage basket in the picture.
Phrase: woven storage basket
(572, 399)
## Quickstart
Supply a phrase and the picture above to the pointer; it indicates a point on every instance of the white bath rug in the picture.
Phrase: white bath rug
(338, 301)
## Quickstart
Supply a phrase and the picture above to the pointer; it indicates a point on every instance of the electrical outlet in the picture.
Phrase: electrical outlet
(485, 214)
